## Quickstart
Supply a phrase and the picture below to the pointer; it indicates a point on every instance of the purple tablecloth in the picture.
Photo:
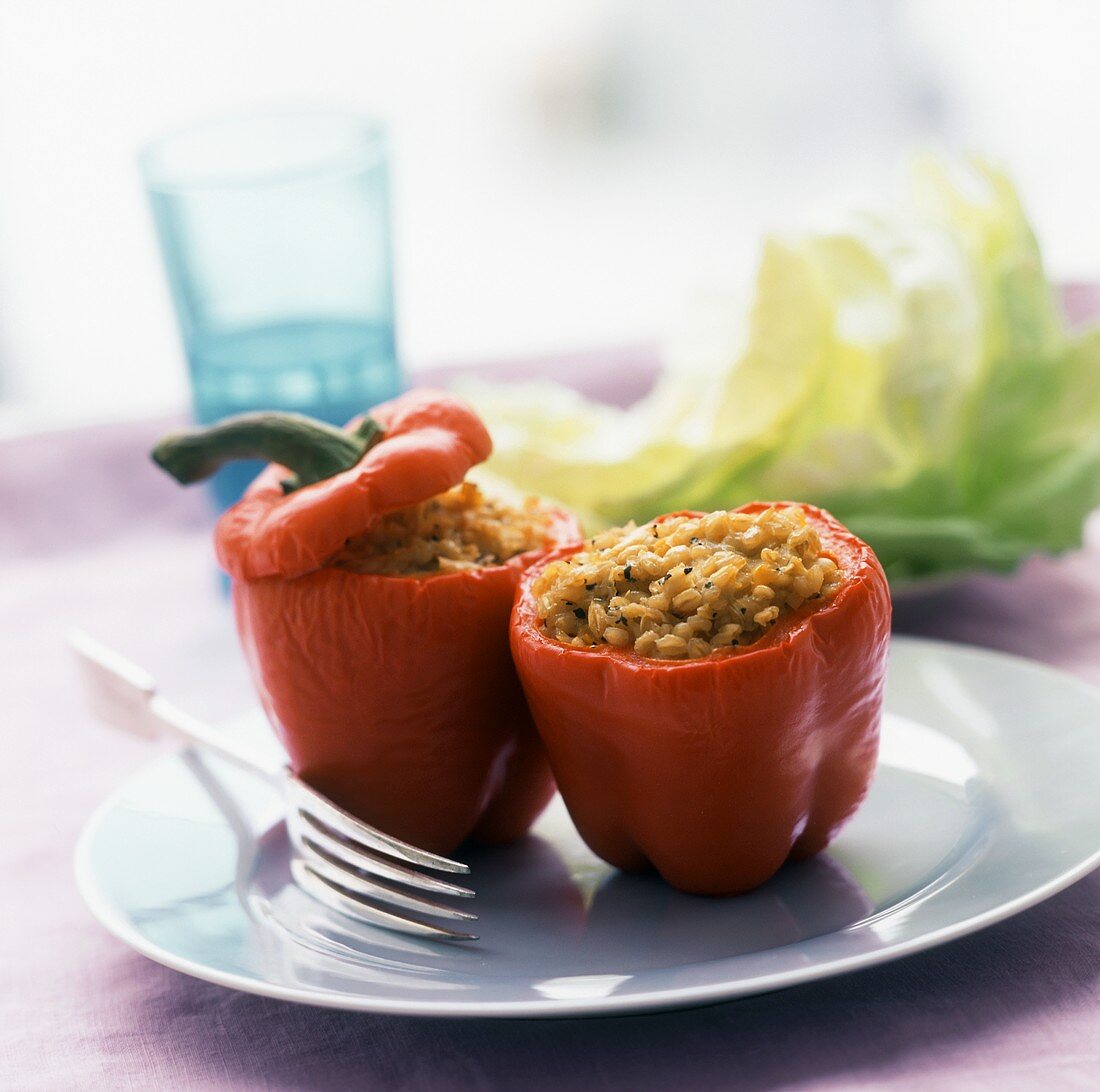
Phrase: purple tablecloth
(91, 535)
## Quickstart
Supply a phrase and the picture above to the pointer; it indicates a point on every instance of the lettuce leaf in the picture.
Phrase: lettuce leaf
(911, 373)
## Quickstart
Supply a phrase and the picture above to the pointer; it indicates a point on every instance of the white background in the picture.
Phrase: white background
(566, 173)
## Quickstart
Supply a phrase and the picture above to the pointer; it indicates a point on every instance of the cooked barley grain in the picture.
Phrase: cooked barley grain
(460, 529)
(682, 587)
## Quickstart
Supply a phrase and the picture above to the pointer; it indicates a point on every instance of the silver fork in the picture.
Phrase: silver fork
(341, 861)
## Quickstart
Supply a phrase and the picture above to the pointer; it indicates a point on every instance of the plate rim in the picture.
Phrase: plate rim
(612, 1004)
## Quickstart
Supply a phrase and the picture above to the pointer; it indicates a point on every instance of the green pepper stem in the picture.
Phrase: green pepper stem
(311, 450)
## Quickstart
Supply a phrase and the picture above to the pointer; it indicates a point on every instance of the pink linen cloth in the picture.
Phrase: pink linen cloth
(93, 535)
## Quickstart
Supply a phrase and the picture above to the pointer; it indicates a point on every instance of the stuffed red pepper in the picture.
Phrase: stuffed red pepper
(708, 687)
(372, 588)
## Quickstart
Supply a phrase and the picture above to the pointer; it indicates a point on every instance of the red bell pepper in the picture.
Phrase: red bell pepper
(717, 770)
(393, 695)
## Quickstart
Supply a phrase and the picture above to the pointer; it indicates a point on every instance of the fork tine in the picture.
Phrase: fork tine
(311, 837)
(354, 906)
(382, 892)
(346, 825)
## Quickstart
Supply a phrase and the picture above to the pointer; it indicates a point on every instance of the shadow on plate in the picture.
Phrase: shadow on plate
(539, 921)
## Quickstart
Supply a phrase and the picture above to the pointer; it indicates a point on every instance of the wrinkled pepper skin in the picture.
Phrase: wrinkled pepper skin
(716, 771)
(395, 696)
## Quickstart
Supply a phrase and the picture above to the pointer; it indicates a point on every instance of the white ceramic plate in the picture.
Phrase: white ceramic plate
(985, 803)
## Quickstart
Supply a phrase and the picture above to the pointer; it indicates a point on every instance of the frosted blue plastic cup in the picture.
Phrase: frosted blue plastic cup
(275, 234)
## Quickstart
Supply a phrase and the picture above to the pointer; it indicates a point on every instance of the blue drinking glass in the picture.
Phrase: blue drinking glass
(275, 234)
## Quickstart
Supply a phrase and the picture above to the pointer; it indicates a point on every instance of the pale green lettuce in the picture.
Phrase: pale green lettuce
(911, 373)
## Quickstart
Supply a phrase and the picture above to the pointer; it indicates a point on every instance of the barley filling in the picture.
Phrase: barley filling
(680, 588)
(463, 528)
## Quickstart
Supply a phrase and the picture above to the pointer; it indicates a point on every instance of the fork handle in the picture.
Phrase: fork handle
(165, 719)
